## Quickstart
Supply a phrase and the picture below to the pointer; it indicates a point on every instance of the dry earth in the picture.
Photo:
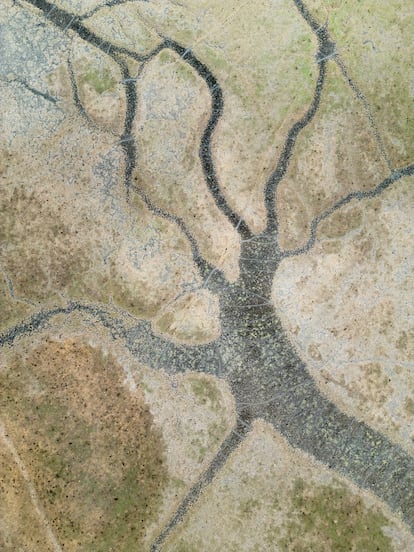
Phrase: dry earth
(177, 178)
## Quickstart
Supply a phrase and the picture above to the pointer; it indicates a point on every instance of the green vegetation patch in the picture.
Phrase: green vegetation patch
(101, 79)
(205, 391)
(329, 517)
(409, 406)
(375, 42)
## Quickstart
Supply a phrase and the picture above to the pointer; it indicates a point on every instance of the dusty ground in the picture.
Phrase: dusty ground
(158, 158)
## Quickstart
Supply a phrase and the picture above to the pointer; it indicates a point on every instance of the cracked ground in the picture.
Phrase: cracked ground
(206, 276)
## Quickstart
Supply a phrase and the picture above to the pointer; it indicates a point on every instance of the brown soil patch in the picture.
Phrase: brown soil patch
(89, 444)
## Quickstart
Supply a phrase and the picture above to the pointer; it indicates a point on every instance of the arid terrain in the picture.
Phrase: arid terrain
(206, 276)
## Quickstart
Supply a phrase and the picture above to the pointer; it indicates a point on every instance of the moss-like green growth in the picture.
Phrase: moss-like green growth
(409, 406)
(165, 322)
(185, 72)
(216, 433)
(205, 391)
(329, 518)
(100, 79)
(165, 56)
(386, 49)
(181, 68)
